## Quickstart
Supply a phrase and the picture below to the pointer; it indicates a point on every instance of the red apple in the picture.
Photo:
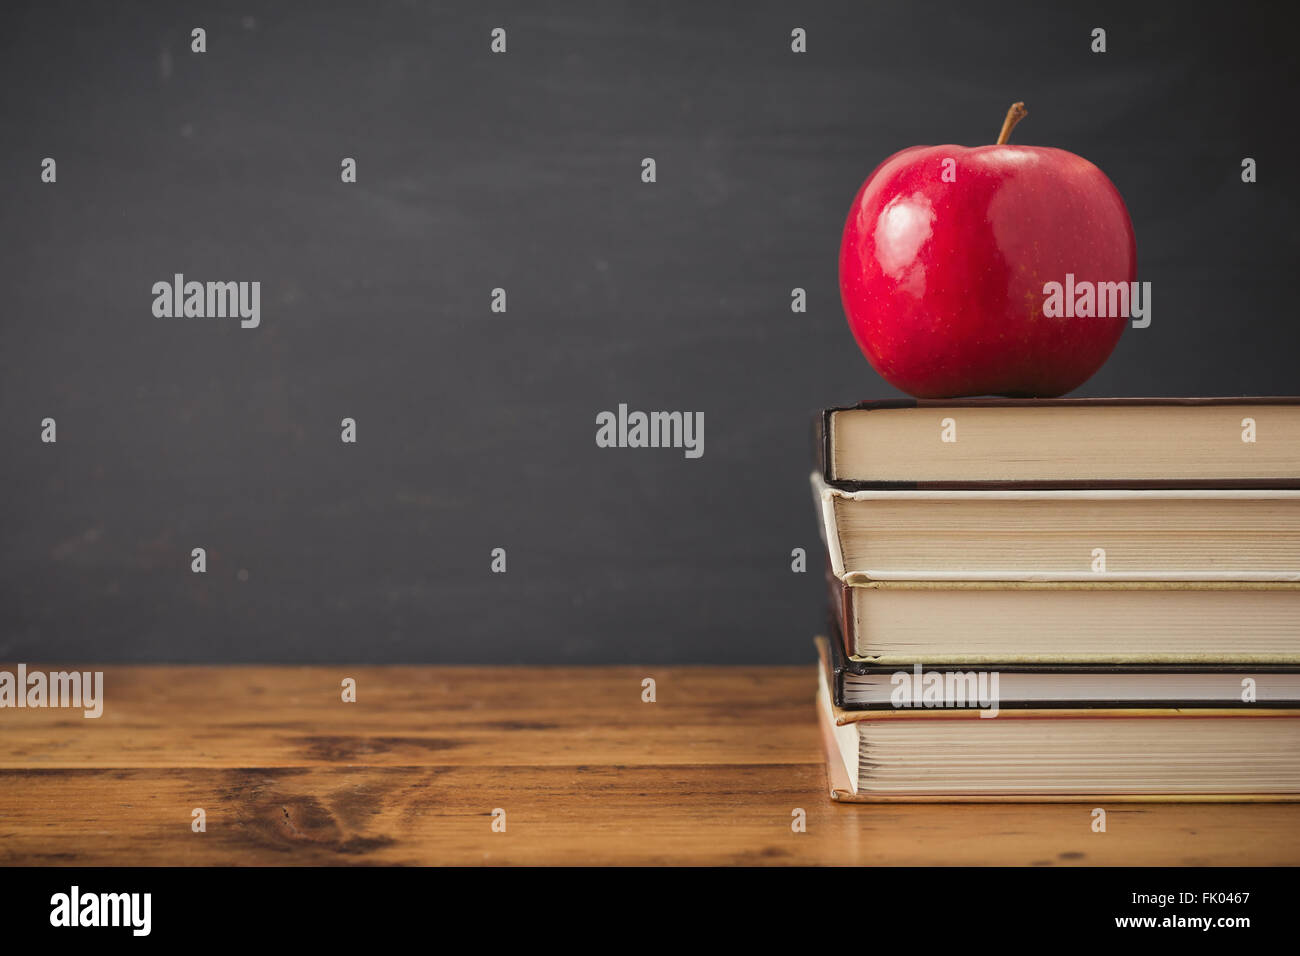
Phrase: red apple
(946, 255)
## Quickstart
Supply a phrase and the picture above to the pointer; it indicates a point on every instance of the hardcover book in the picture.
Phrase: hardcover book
(856, 685)
(1025, 535)
(1068, 622)
(1063, 443)
(1062, 754)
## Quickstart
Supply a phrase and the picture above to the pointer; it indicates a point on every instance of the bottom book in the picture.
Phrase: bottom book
(1129, 754)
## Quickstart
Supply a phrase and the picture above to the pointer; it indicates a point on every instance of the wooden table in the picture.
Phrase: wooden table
(710, 773)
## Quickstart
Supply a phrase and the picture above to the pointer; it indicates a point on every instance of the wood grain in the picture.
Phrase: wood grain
(586, 772)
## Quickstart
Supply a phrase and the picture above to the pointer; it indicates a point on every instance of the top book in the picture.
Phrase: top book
(1063, 443)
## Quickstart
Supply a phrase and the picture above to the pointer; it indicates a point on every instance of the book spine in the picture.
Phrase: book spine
(839, 595)
(825, 452)
(822, 441)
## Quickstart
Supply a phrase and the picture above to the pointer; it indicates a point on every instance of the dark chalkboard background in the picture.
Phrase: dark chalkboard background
(523, 171)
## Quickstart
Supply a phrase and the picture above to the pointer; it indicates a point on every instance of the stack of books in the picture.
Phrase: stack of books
(1061, 599)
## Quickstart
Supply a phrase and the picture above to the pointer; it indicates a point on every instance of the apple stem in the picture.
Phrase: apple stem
(1014, 116)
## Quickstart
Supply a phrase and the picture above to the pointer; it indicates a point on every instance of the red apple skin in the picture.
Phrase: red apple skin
(942, 282)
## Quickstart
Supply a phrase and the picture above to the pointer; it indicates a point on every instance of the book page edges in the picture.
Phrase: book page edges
(824, 500)
(842, 791)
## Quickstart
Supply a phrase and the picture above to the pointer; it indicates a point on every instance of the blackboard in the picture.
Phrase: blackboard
(522, 171)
